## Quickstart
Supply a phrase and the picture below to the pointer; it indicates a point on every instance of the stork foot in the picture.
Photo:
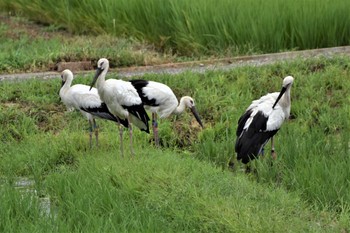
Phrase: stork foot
(273, 154)
(231, 165)
(153, 142)
(247, 169)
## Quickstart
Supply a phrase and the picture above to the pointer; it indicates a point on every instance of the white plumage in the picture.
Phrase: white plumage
(88, 102)
(121, 99)
(165, 101)
(275, 117)
(261, 121)
(161, 100)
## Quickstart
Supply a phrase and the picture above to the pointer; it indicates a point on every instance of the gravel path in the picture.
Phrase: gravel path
(199, 66)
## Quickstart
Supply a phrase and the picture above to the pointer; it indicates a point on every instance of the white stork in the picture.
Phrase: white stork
(122, 100)
(160, 99)
(88, 102)
(261, 121)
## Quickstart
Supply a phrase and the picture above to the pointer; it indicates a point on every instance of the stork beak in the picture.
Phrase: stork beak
(195, 113)
(279, 96)
(97, 74)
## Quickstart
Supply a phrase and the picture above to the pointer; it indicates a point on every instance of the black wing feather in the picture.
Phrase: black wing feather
(139, 84)
(103, 113)
(241, 122)
(139, 112)
(250, 141)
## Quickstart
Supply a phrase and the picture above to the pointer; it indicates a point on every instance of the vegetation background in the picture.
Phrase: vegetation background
(51, 181)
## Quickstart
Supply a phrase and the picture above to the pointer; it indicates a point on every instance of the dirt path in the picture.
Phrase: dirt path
(199, 66)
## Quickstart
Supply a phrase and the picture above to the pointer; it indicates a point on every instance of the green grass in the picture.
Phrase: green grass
(29, 47)
(186, 185)
(202, 27)
(158, 191)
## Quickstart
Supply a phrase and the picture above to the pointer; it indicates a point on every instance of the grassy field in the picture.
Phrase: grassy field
(158, 191)
(29, 47)
(186, 185)
(201, 27)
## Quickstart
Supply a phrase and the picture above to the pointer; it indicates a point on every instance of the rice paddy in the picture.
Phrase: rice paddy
(201, 27)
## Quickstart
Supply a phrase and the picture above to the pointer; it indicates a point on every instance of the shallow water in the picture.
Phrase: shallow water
(27, 186)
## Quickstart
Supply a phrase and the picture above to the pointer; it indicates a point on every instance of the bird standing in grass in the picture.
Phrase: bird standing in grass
(160, 99)
(261, 121)
(122, 100)
(88, 102)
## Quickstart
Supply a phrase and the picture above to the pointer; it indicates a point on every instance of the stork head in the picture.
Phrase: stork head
(189, 102)
(66, 75)
(288, 81)
(287, 84)
(102, 65)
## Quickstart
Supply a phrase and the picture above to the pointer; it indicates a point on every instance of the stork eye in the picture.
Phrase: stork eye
(191, 101)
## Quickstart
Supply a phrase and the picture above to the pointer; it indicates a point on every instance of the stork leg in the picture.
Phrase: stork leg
(273, 153)
(96, 131)
(90, 133)
(130, 134)
(121, 137)
(155, 128)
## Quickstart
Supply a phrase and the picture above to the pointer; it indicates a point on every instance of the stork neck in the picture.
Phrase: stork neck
(181, 107)
(67, 84)
(285, 103)
(102, 79)
(285, 100)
